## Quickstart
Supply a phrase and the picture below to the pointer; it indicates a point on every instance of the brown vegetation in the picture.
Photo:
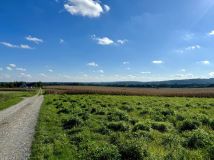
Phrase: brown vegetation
(168, 92)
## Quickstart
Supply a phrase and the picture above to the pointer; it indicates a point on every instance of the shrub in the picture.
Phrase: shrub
(117, 116)
(118, 126)
(168, 112)
(100, 151)
(180, 117)
(160, 126)
(171, 141)
(198, 139)
(141, 126)
(132, 150)
(212, 124)
(189, 125)
(127, 108)
(104, 130)
(73, 122)
(211, 152)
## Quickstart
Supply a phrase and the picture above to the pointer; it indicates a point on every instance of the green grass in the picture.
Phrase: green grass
(96, 127)
(10, 98)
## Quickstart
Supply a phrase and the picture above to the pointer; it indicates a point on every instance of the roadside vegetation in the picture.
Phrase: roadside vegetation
(104, 127)
(9, 98)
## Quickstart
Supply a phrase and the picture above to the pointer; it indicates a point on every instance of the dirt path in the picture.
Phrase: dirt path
(17, 125)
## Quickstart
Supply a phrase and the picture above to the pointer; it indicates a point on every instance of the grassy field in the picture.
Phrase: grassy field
(104, 127)
(9, 98)
(167, 92)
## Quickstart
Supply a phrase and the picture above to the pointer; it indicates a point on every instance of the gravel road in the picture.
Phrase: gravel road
(17, 126)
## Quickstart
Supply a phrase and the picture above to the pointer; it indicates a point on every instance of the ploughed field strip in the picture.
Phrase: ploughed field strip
(166, 92)
(17, 124)
(102, 127)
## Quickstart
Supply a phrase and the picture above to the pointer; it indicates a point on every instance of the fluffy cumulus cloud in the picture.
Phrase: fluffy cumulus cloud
(9, 68)
(126, 62)
(9, 45)
(89, 8)
(105, 41)
(211, 74)
(34, 39)
(25, 75)
(12, 65)
(92, 64)
(194, 47)
(157, 62)
(122, 41)
(205, 62)
(50, 70)
(146, 72)
(211, 33)
(21, 69)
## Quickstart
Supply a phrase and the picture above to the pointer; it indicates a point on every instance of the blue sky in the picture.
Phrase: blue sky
(118, 40)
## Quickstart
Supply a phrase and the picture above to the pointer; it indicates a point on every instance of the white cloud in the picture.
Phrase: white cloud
(211, 74)
(9, 68)
(12, 65)
(157, 62)
(25, 75)
(193, 47)
(122, 41)
(132, 76)
(107, 41)
(184, 76)
(183, 70)
(43, 75)
(103, 41)
(50, 70)
(107, 8)
(146, 72)
(61, 41)
(92, 64)
(21, 69)
(211, 33)
(101, 71)
(22, 46)
(34, 39)
(126, 62)
(205, 62)
(89, 8)
(9, 45)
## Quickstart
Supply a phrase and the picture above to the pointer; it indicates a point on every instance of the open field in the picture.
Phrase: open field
(168, 92)
(105, 127)
(9, 98)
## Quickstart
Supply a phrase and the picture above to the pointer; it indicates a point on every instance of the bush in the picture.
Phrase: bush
(132, 151)
(171, 141)
(212, 124)
(118, 126)
(100, 151)
(117, 116)
(167, 112)
(189, 125)
(198, 139)
(211, 152)
(141, 126)
(160, 126)
(71, 123)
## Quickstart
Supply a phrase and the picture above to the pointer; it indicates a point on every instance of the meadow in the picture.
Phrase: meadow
(9, 98)
(110, 127)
